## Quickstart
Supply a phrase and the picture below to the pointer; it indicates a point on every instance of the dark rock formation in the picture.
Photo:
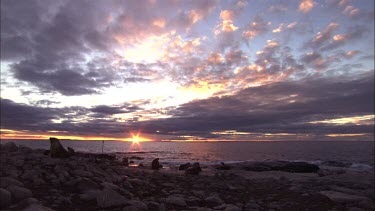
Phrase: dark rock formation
(155, 165)
(194, 169)
(10, 147)
(125, 161)
(223, 166)
(71, 151)
(184, 166)
(5, 198)
(57, 150)
(298, 167)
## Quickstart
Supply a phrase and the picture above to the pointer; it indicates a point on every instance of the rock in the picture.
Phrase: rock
(5, 198)
(251, 206)
(298, 167)
(71, 151)
(110, 186)
(110, 198)
(125, 161)
(7, 181)
(89, 195)
(9, 147)
(86, 184)
(155, 206)
(24, 149)
(29, 201)
(184, 166)
(231, 207)
(176, 200)
(155, 165)
(342, 197)
(37, 207)
(19, 193)
(223, 166)
(355, 209)
(213, 201)
(82, 173)
(134, 205)
(56, 149)
(194, 169)
(141, 165)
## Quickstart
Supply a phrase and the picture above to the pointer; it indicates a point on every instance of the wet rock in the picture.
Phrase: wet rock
(110, 198)
(9, 147)
(297, 167)
(176, 200)
(136, 158)
(7, 181)
(56, 149)
(37, 207)
(223, 166)
(194, 169)
(155, 165)
(213, 201)
(19, 193)
(184, 166)
(86, 184)
(300, 167)
(5, 198)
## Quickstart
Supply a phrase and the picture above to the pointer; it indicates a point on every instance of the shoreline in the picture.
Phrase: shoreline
(79, 182)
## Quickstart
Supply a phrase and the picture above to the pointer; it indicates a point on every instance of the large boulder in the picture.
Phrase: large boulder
(5, 198)
(9, 147)
(184, 166)
(7, 181)
(19, 193)
(57, 150)
(176, 200)
(37, 207)
(110, 198)
(194, 169)
(155, 165)
(86, 184)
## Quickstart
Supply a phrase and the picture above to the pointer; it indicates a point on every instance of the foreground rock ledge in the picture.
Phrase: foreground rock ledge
(32, 180)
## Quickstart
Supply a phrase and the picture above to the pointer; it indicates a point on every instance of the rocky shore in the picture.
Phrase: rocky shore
(35, 179)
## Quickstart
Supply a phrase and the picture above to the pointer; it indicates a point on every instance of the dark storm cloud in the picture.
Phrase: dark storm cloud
(17, 116)
(103, 109)
(278, 107)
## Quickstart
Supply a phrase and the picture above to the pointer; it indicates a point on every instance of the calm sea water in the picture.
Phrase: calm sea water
(357, 154)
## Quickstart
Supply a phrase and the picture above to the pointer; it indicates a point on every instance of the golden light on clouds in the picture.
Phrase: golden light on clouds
(150, 50)
(306, 5)
(357, 120)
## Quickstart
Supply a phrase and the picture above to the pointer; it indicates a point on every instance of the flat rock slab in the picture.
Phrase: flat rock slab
(342, 197)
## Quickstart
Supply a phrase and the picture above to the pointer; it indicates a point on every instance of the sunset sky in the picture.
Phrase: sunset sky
(187, 70)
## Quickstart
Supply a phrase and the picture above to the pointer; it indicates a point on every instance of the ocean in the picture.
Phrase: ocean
(352, 154)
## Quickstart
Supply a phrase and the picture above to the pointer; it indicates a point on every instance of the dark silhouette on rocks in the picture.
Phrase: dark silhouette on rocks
(155, 165)
(184, 166)
(57, 150)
